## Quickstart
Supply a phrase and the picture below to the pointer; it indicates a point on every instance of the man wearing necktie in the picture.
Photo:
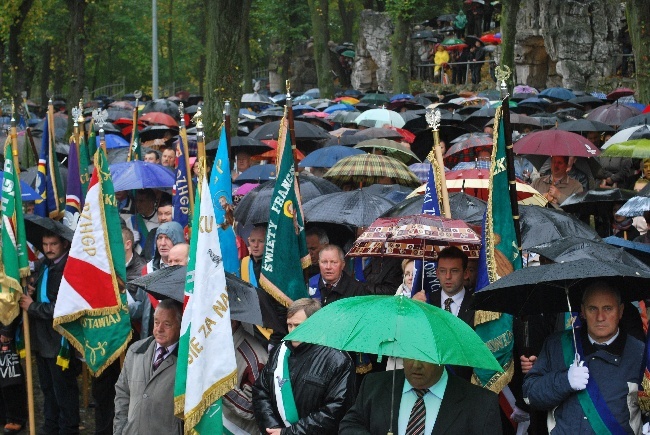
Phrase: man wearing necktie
(144, 393)
(427, 399)
(599, 393)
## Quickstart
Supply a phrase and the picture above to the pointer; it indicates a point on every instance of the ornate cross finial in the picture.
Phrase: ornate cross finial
(181, 109)
(76, 112)
(137, 94)
(502, 73)
(433, 118)
(100, 116)
(288, 84)
(81, 118)
(50, 95)
(198, 118)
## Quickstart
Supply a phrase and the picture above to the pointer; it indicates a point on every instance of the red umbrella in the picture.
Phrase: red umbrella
(315, 115)
(491, 39)
(159, 118)
(418, 237)
(466, 150)
(619, 93)
(612, 114)
(555, 143)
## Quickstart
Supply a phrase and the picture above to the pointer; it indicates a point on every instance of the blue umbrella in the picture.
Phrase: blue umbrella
(401, 97)
(558, 94)
(256, 174)
(26, 191)
(328, 156)
(340, 107)
(113, 141)
(299, 109)
(639, 250)
(137, 174)
(534, 100)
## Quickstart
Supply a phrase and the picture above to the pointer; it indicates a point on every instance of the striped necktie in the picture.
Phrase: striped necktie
(162, 351)
(418, 415)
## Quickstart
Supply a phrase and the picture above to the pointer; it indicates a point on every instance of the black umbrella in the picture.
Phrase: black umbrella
(576, 248)
(357, 208)
(379, 133)
(584, 125)
(169, 283)
(162, 105)
(303, 131)
(542, 225)
(642, 119)
(241, 144)
(596, 201)
(254, 208)
(36, 226)
(392, 192)
(157, 132)
(544, 289)
(345, 140)
(29, 176)
(462, 206)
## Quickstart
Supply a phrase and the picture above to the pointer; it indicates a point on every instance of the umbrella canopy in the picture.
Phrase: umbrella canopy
(37, 226)
(419, 236)
(635, 207)
(26, 191)
(638, 120)
(381, 117)
(543, 225)
(612, 114)
(357, 208)
(635, 149)
(254, 208)
(328, 156)
(375, 98)
(256, 174)
(464, 207)
(379, 133)
(255, 98)
(467, 150)
(524, 89)
(628, 134)
(112, 141)
(367, 169)
(343, 117)
(421, 170)
(392, 192)
(453, 44)
(159, 118)
(384, 325)
(596, 201)
(242, 144)
(340, 107)
(137, 174)
(169, 283)
(162, 105)
(557, 94)
(639, 250)
(555, 143)
(576, 248)
(475, 182)
(544, 289)
(584, 125)
(303, 131)
(619, 93)
(390, 148)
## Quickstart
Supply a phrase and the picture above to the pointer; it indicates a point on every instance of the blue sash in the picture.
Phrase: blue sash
(251, 273)
(591, 399)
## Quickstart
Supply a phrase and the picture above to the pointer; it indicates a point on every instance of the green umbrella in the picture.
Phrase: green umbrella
(396, 326)
(348, 53)
(635, 149)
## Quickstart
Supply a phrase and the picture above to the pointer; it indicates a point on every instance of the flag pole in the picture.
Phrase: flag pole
(28, 347)
(100, 119)
(134, 124)
(226, 120)
(433, 119)
(200, 144)
(186, 153)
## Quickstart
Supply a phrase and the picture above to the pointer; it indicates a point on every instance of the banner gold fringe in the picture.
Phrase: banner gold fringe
(485, 316)
(499, 380)
(644, 398)
(274, 291)
(193, 416)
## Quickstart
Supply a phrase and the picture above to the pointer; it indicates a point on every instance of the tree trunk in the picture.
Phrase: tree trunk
(15, 51)
(638, 14)
(509, 13)
(319, 11)
(346, 9)
(46, 70)
(76, 55)
(225, 20)
(247, 65)
(401, 54)
(202, 58)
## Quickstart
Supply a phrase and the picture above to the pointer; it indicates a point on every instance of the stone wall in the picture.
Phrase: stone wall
(371, 70)
(569, 43)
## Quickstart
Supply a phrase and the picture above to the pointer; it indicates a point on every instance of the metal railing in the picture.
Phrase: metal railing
(113, 90)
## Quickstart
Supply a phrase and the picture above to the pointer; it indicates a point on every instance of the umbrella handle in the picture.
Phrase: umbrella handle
(392, 401)
(576, 359)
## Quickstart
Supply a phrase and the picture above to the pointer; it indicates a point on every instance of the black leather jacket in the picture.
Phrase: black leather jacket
(323, 381)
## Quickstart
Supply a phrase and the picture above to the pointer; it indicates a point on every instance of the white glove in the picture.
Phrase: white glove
(646, 429)
(578, 377)
(519, 415)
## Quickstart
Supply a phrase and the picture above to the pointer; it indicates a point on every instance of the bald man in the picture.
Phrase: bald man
(178, 255)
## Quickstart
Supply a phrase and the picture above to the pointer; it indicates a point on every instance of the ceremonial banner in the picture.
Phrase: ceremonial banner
(15, 261)
(430, 205)
(84, 162)
(499, 256)
(48, 178)
(285, 252)
(91, 309)
(206, 367)
(73, 195)
(181, 191)
(221, 192)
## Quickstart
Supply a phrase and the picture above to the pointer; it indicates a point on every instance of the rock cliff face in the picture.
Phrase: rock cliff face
(372, 63)
(567, 43)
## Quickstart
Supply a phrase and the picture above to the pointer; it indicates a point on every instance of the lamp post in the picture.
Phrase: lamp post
(154, 49)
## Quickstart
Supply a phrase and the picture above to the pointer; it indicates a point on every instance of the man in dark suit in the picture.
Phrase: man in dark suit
(426, 399)
(332, 283)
